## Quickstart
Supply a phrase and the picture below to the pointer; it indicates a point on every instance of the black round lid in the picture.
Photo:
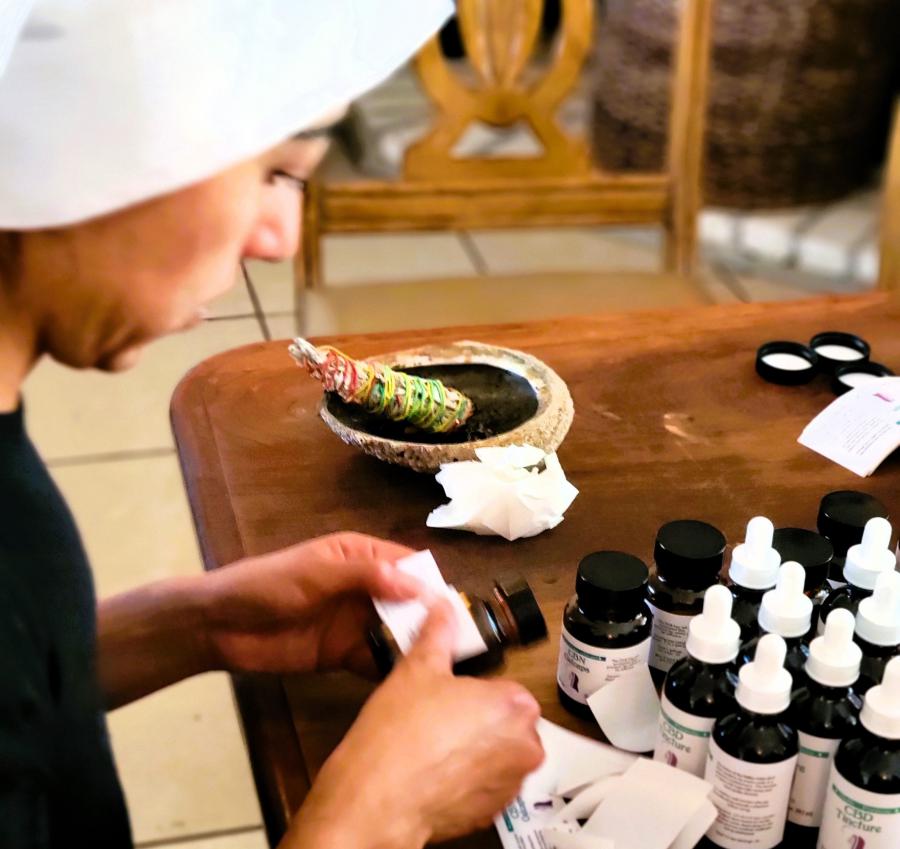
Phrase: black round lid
(689, 553)
(841, 381)
(786, 363)
(519, 599)
(853, 344)
(811, 550)
(611, 581)
(843, 516)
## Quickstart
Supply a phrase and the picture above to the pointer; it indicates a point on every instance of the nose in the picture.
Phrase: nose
(276, 234)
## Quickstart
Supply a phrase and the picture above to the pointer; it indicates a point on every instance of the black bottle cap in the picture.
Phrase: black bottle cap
(774, 362)
(689, 553)
(523, 607)
(611, 582)
(843, 516)
(843, 375)
(811, 550)
(850, 341)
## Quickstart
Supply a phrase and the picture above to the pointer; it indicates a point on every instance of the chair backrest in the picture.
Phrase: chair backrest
(503, 86)
(508, 78)
(889, 261)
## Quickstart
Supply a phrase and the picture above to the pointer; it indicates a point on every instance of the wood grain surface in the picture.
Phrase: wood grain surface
(671, 421)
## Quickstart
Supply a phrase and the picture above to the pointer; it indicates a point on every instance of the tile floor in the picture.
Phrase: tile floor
(108, 443)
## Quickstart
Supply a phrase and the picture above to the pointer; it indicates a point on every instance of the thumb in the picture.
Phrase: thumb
(434, 645)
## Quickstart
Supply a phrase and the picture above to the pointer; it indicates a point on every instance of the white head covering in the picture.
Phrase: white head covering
(104, 103)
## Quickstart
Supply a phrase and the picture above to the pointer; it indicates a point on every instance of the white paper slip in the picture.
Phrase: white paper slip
(531, 821)
(627, 710)
(581, 761)
(527, 822)
(586, 801)
(860, 429)
(696, 827)
(562, 838)
(404, 619)
(673, 796)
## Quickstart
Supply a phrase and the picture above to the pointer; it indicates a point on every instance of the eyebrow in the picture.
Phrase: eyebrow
(325, 131)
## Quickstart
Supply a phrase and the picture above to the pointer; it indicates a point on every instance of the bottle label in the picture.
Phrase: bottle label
(752, 800)
(858, 819)
(583, 669)
(682, 739)
(670, 633)
(811, 779)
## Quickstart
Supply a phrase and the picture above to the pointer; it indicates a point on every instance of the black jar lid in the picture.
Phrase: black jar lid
(689, 553)
(811, 550)
(843, 516)
(840, 381)
(611, 583)
(786, 363)
(829, 346)
(518, 598)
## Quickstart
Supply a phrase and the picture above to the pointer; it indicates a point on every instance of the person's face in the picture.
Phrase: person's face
(105, 288)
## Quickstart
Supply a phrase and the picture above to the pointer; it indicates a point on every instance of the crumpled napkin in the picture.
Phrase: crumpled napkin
(513, 492)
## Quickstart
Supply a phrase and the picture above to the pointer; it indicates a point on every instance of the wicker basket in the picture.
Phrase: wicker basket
(799, 102)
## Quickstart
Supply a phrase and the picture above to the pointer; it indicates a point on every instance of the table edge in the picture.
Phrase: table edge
(267, 724)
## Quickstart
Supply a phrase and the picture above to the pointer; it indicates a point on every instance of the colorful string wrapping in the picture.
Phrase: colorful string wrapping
(424, 403)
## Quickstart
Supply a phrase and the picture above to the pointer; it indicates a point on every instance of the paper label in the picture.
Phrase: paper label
(811, 779)
(670, 633)
(404, 619)
(853, 818)
(752, 800)
(522, 824)
(859, 429)
(682, 740)
(583, 669)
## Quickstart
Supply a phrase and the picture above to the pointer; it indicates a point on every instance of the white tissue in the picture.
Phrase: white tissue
(503, 493)
(627, 710)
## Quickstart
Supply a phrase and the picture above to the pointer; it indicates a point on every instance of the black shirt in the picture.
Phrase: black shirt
(58, 782)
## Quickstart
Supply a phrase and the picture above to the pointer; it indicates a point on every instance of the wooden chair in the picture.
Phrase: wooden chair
(558, 187)
(889, 273)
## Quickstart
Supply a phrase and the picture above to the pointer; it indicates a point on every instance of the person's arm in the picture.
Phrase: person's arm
(303, 608)
(151, 637)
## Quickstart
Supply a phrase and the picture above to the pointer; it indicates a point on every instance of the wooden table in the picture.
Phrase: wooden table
(671, 422)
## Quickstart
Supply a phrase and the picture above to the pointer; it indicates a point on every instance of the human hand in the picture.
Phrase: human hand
(430, 757)
(303, 608)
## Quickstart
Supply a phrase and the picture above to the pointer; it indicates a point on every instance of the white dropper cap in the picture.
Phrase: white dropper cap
(834, 658)
(713, 636)
(881, 708)
(878, 617)
(764, 685)
(754, 563)
(872, 556)
(786, 611)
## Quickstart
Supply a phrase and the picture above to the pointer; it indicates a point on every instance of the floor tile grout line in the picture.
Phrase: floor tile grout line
(231, 316)
(257, 306)
(198, 836)
(109, 457)
(472, 252)
(730, 281)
